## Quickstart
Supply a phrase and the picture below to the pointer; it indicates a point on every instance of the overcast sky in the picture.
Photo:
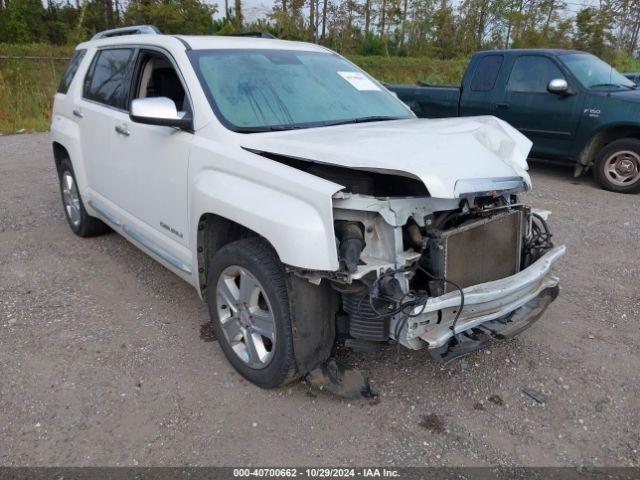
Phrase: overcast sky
(252, 9)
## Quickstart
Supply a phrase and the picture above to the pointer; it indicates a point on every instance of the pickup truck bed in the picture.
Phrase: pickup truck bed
(429, 100)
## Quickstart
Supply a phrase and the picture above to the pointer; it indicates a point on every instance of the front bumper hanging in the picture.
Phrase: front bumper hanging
(493, 310)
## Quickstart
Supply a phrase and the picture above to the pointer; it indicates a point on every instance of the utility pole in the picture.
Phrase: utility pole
(324, 18)
(109, 13)
(367, 15)
(238, 13)
(312, 9)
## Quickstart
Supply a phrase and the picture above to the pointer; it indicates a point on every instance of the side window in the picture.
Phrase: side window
(157, 77)
(72, 68)
(532, 74)
(484, 78)
(108, 78)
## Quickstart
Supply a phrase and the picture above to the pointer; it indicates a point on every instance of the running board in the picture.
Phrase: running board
(110, 218)
(141, 239)
(155, 248)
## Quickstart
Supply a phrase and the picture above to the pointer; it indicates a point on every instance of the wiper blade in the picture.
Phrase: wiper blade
(281, 128)
(271, 128)
(372, 118)
(612, 85)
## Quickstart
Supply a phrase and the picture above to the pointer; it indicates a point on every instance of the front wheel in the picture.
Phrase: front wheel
(617, 166)
(249, 308)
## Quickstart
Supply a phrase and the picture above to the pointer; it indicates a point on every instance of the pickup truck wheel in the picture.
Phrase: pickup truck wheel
(249, 307)
(617, 166)
(81, 223)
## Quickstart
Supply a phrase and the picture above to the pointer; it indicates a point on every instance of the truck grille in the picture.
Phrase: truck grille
(479, 251)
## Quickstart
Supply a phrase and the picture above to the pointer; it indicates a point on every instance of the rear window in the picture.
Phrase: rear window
(484, 78)
(72, 68)
(108, 80)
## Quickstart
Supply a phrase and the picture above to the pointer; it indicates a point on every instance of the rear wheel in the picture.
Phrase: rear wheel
(249, 308)
(82, 224)
(617, 166)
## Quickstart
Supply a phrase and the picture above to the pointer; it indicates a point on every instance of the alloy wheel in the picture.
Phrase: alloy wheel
(71, 199)
(246, 316)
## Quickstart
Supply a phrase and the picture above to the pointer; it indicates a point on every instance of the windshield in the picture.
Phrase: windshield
(265, 90)
(592, 72)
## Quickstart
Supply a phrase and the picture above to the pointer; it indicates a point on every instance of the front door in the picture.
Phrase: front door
(549, 120)
(152, 161)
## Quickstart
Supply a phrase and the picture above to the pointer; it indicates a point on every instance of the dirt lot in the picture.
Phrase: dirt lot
(102, 362)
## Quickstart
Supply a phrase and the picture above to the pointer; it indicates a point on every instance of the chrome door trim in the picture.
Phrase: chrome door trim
(105, 213)
(155, 248)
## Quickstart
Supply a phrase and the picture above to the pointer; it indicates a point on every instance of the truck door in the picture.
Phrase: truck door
(548, 119)
(481, 93)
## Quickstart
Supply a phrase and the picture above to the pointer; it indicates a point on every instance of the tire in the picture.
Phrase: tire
(248, 272)
(81, 223)
(617, 166)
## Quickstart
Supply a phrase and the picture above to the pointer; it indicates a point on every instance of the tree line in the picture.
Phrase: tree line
(438, 28)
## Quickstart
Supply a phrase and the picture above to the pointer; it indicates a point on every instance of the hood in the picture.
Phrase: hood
(627, 95)
(450, 156)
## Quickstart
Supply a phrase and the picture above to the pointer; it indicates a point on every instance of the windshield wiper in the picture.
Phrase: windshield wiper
(612, 85)
(271, 128)
(372, 118)
(281, 128)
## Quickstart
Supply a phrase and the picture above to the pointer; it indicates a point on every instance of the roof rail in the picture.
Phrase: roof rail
(132, 30)
(252, 34)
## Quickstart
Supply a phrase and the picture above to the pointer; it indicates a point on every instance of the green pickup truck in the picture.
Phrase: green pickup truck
(573, 106)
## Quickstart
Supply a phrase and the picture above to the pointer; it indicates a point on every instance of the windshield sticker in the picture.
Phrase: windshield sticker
(359, 81)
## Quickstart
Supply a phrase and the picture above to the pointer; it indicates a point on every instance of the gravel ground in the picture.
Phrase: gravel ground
(103, 363)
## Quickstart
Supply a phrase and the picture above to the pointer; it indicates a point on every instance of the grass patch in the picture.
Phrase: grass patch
(409, 70)
(27, 86)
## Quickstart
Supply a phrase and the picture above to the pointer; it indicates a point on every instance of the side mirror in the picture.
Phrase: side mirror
(558, 86)
(159, 111)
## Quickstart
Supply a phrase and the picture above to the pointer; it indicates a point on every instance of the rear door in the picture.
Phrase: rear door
(549, 120)
(479, 96)
(104, 97)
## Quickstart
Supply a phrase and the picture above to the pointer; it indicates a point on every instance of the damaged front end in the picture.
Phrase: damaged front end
(449, 275)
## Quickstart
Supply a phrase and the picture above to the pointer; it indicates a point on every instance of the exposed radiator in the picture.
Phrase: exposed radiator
(478, 251)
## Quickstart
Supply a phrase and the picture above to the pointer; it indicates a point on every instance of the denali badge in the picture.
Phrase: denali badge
(171, 229)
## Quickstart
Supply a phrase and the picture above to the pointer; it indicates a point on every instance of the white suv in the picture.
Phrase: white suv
(303, 201)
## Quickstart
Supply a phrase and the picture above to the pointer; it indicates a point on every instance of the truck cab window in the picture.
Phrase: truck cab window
(532, 74)
(484, 78)
(158, 78)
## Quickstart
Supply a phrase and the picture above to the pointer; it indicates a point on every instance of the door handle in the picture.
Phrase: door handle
(122, 130)
(501, 106)
(78, 113)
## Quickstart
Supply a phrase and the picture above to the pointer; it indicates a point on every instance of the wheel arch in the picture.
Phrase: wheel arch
(59, 154)
(214, 232)
(602, 138)
(312, 307)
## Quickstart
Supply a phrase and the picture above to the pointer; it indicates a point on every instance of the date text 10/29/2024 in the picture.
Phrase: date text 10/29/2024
(316, 472)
